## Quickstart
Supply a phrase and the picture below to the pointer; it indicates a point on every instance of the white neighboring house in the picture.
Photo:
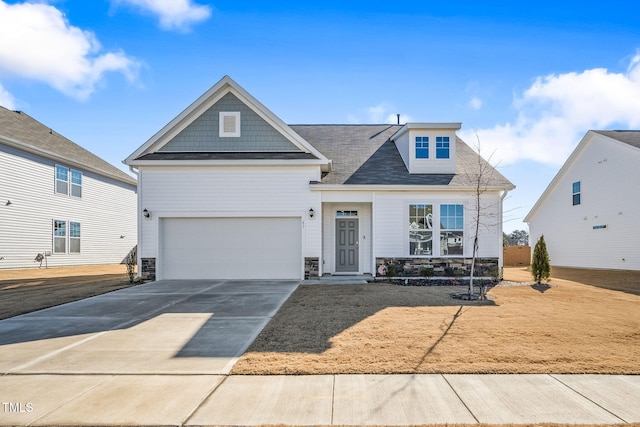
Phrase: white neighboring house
(228, 190)
(590, 212)
(58, 199)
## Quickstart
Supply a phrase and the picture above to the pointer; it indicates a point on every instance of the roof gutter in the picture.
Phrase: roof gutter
(313, 186)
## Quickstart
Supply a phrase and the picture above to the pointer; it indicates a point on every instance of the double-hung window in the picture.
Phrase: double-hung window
(74, 237)
(442, 147)
(451, 229)
(576, 193)
(421, 229)
(68, 181)
(59, 236)
(76, 183)
(62, 180)
(422, 147)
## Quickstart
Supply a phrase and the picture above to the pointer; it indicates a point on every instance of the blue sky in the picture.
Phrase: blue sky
(528, 78)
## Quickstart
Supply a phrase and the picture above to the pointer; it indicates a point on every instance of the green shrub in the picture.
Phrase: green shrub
(540, 264)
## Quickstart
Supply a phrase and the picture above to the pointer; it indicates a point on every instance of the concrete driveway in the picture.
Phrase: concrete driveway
(164, 327)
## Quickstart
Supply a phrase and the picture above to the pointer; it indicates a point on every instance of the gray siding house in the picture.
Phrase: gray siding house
(59, 200)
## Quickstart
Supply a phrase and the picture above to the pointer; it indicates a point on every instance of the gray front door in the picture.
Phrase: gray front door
(347, 245)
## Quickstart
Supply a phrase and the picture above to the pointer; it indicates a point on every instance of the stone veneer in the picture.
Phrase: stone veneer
(311, 268)
(442, 267)
(148, 271)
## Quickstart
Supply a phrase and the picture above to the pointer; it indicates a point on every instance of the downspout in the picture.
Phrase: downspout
(500, 244)
(136, 172)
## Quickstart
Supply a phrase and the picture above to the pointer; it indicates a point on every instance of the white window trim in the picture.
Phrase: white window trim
(236, 132)
(436, 229)
(54, 237)
(68, 181)
(79, 238)
(71, 184)
(56, 180)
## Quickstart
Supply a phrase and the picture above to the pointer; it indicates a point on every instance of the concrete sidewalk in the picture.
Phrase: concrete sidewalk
(317, 400)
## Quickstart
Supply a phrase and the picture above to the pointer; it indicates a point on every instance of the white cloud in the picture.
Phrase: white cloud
(475, 103)
(6, 99)
(557, 110)
(176, 15)
(378, 114)
(38, 43)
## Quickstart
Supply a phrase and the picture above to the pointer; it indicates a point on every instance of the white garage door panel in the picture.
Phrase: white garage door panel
(230, 248)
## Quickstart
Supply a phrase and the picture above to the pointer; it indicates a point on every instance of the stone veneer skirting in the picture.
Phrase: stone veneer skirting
(311, 268)
(148, 270)
(440, 267)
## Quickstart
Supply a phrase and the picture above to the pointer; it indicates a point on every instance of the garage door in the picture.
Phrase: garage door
(230, 248)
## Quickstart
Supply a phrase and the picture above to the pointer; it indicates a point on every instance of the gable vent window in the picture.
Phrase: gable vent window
(229, 124)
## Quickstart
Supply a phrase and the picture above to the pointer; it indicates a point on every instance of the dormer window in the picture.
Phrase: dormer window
(422, 147)
(229, 124)
(442, 147)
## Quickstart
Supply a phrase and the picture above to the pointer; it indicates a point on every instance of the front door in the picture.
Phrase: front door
(347, 245)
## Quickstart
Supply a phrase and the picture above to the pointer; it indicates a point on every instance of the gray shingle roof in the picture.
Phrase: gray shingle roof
(631, 137)
(31, 135)
(363, 154)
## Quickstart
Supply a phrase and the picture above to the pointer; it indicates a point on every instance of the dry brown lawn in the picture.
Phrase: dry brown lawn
(24, 291)
(566, 327)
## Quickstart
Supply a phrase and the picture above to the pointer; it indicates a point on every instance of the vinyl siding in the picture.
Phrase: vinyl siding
(609, 174)
(231, 191)
(106, 211)
(391, 216)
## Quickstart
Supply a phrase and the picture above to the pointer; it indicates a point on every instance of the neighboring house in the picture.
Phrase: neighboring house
(228, 190)
(59, 200)
(590, 212)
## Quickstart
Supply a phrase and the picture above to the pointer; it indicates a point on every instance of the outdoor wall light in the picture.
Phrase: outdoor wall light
(311, 213)
(8, 203)
(146, 213)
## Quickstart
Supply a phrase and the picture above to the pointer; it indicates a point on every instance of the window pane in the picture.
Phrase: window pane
(59, 245)
(576, 187)
(451, 243)
(76, 190)
(59, 228)
(74, 229)
(76, 177)
(62, 173)
(576, 199)
(62, 187)
(420, 242)
(74, 245)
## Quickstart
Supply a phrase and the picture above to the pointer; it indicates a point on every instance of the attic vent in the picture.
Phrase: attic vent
(229, 124)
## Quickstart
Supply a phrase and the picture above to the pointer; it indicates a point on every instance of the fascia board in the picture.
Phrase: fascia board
(454, 126)
(62, 160)
(404, 188)
(180, 163)
(554, 182)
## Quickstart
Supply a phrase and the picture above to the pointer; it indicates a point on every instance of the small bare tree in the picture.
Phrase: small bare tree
(480, 177)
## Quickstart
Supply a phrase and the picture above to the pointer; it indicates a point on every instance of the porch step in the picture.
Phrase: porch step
(356, 279)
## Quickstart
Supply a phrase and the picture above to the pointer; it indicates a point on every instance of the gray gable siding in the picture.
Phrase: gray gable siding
(203, 134)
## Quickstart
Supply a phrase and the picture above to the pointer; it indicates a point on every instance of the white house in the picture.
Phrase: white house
(59, 200)
(590, 212)
(228, 190)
